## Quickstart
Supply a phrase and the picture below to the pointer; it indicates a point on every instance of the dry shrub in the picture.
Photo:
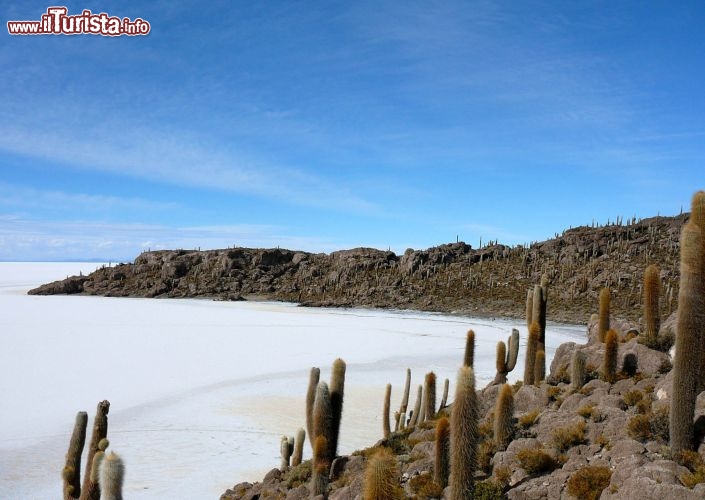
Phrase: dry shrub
(633, 397)
(502, 474)
(298, 475)
(528, 419)
(485, 452)
(536, 461)
(488, 490)
(565, 438)
(587, 483)
(425, 487)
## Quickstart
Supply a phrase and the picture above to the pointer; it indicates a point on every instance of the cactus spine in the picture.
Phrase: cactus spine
(444, 398)
(72, 470)
(506, 362)
(540, 367)
(314, 377)
(652, 290)
(112, 474)
(441, 469)
(337, 388)
(577, 370)
(298, 448)
(504, 417)
(689, 337)
(381, 481)
(90, 489)
(430, 396)
(609, 364)
(604, 317)
(464, 436)
(469, 357)
(385, 411)
(404, 401)
(531, 349)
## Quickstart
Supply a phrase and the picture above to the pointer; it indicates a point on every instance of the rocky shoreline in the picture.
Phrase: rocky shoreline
(454, 278)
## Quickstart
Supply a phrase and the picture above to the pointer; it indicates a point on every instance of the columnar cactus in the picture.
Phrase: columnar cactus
(469, 357)
(285, 451)
(531, 349)
(540, 367)
(539, 313)
(504, 416)
(464, 435)
(337, 388)
(404, 400)
(441, 469)
(313, 379)
(689, 339)
(609, 364)
(385, 412)
(444, 398)
(298, 448)
(381, 481)
(506, 362)
(529, 308)
(112, 474)
(320, 467)
(323, 417)
(430, 395)
(90, 489)
(72, 470)
(417, 407)
(604, 317)
(577, 370)
(652, 290)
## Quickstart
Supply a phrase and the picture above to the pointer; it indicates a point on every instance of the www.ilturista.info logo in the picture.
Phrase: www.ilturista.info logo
(56, 21)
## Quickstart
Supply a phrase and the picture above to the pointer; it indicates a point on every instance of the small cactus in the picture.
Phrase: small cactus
(469, 357)
(464, 436)
(112, 474)
(504, 416)
(72, 470)
(90, 489)
(609, 365)
(417, 408)
(604, 317)
(385, 411)
(298, 448)
(404, 400)
(441, 469)
(313, 380)
(577, 370)
(444, 398)
(506, 362)
(285, 451)
(381, 481)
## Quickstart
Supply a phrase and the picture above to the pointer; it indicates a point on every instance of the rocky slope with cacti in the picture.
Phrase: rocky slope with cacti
(491, 280)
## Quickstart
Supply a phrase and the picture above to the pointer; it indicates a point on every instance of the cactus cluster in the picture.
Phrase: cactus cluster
(506, 361)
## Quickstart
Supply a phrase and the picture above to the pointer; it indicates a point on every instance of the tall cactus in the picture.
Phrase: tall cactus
(320, 467)
(72, 470)
(540, 367)
(417, 408)
(689, 337)
(381, 480)
(609, 364)
(323, 417)
(337, 388)
(464, 436)
(697, 216)
(441, 469)
(531, 349)
(577, 370)
(652, 290)
(313, 379)
(112, 474)
(506, 361)
(430, 396)
(529, 308)
(539, 313)
(385, 411)
(90, 489)
(604, 316)
(469, 357)
(504, 416)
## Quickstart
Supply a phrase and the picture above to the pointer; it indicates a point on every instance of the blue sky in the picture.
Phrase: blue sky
(329, 125)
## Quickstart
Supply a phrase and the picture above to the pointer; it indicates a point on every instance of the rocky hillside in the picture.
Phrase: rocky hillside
(604, 439)
(491, 280)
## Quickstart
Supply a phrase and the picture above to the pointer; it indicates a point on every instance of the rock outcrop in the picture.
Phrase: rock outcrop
(491, 280)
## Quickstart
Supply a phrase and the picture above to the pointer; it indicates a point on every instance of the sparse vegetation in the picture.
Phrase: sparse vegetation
(565, 438)
(536, 461)
(589, 482)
